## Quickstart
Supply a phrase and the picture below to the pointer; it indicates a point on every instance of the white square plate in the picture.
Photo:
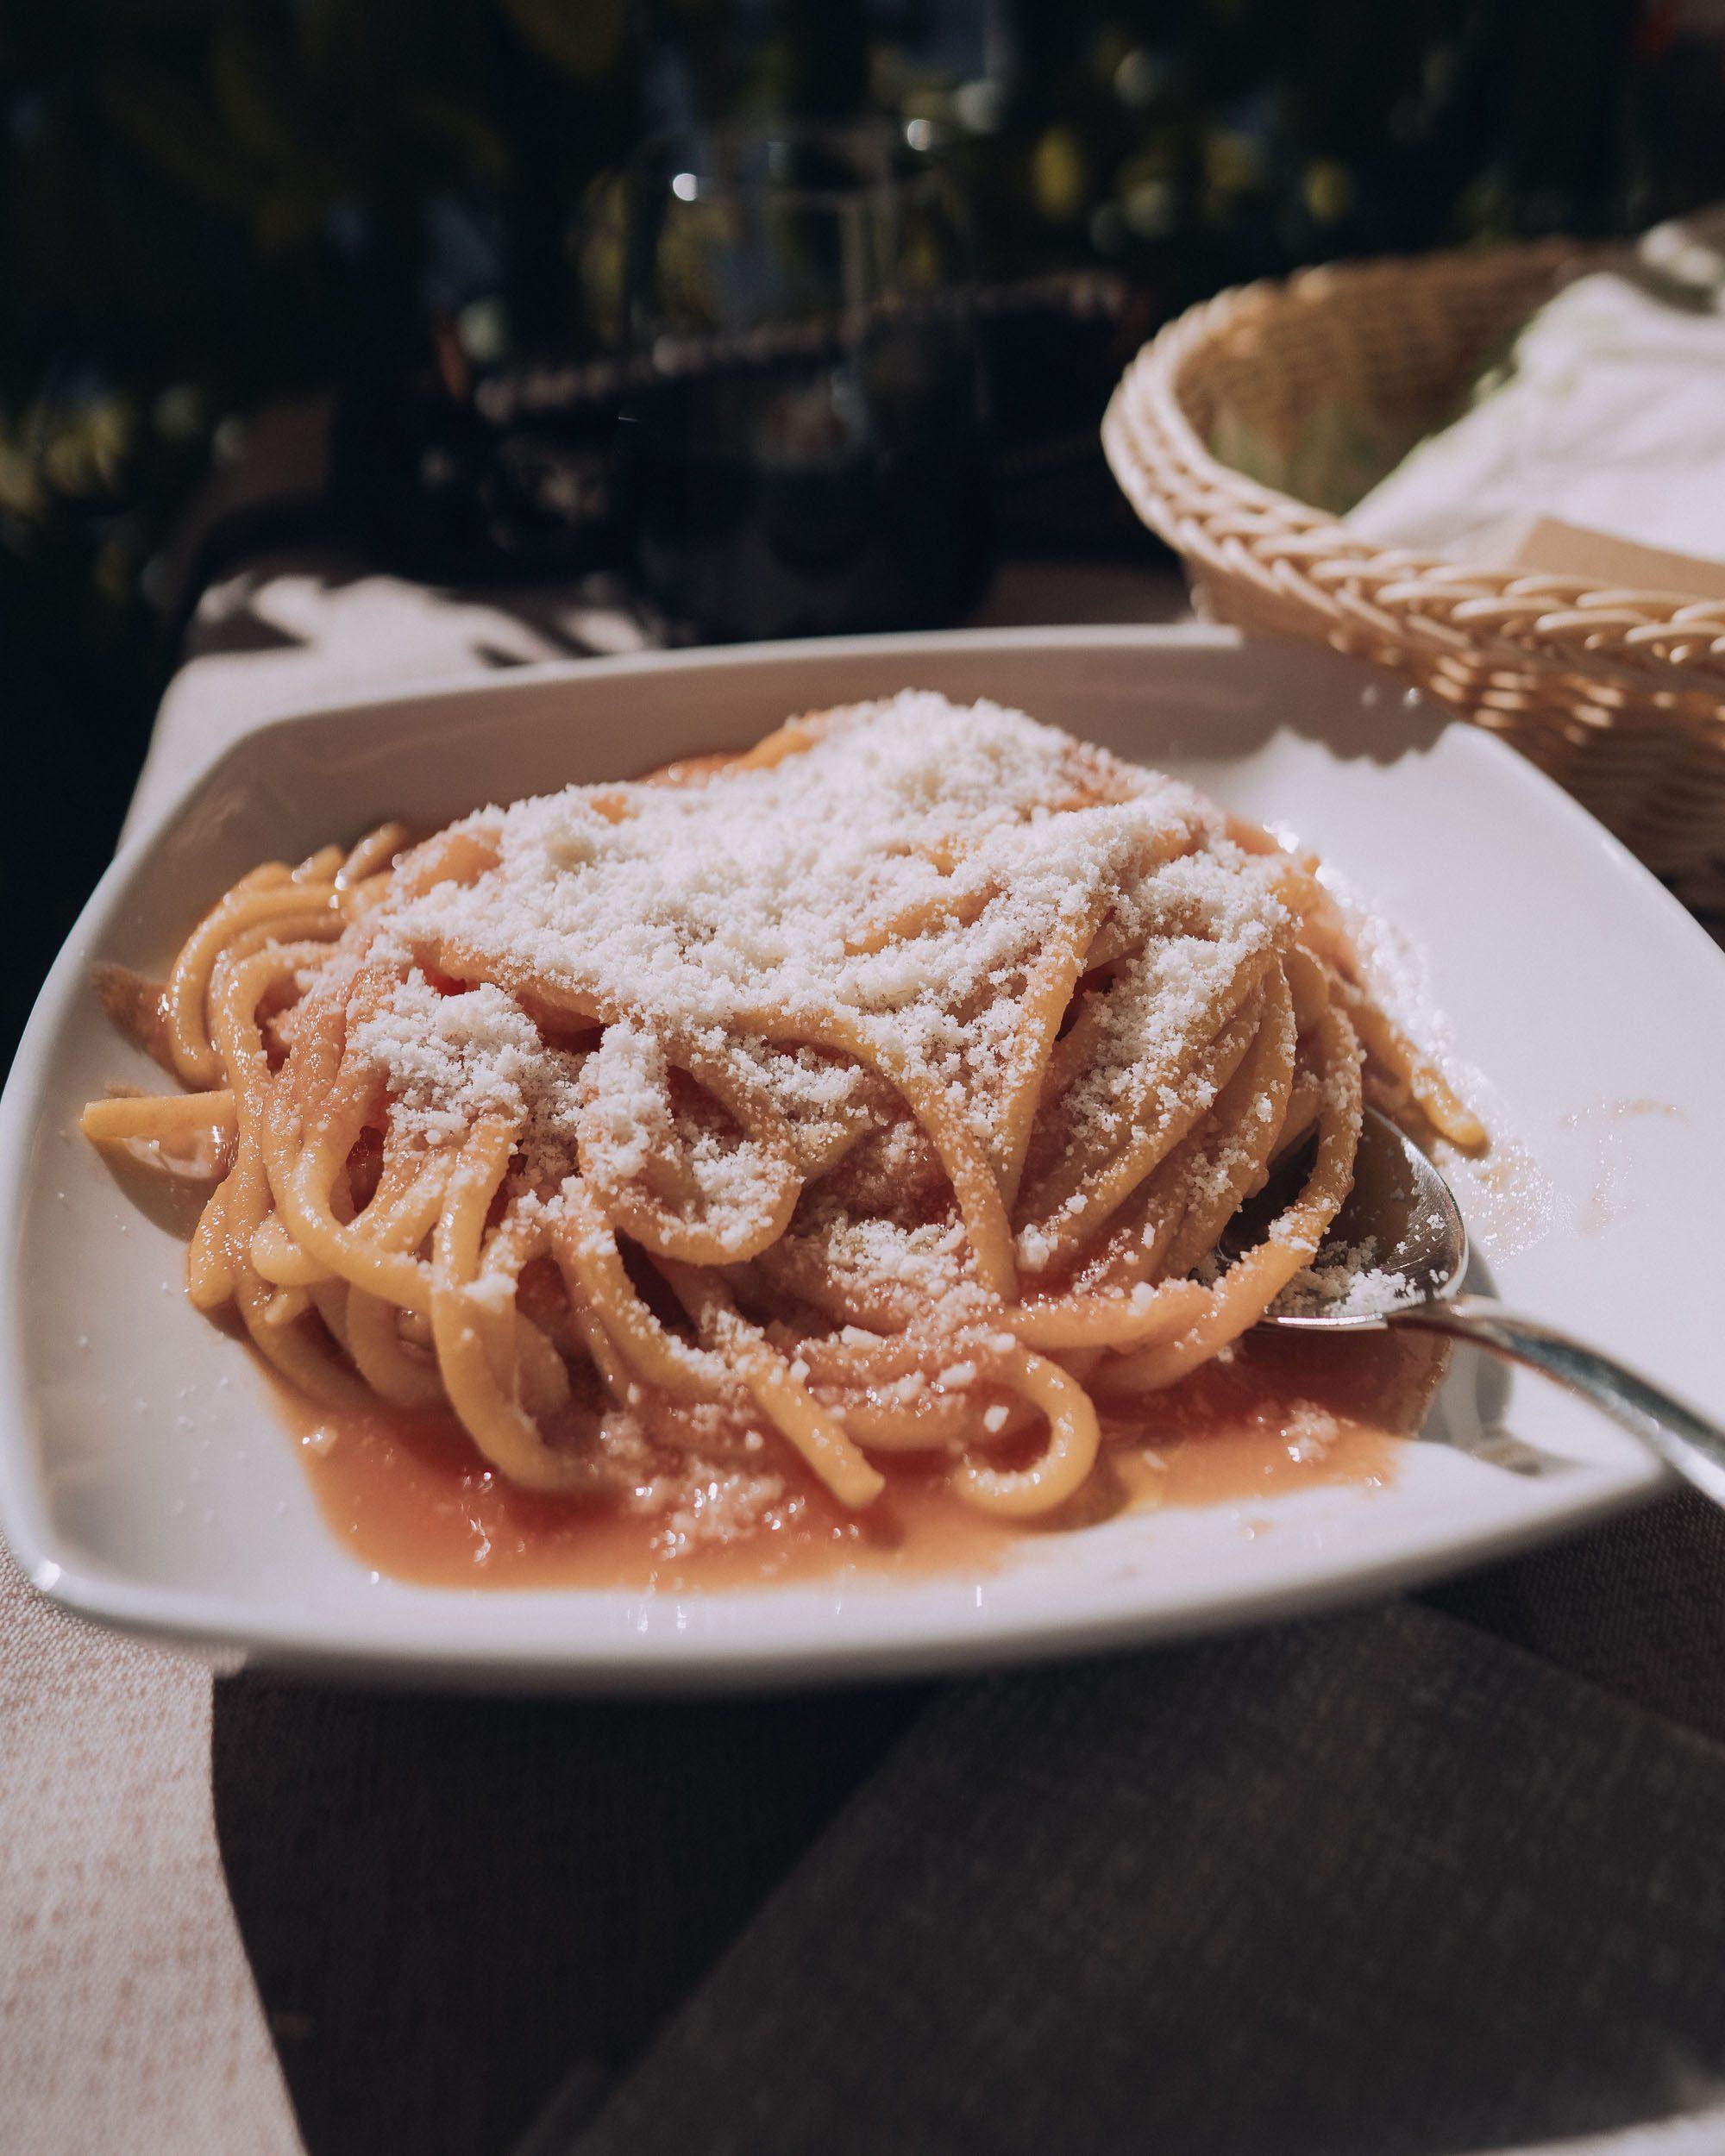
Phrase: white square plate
(146, 1481)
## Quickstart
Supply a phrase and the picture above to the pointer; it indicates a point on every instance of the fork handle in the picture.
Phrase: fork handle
(1687, 1441)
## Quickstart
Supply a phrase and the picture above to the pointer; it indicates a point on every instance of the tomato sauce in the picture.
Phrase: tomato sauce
(408, 1495)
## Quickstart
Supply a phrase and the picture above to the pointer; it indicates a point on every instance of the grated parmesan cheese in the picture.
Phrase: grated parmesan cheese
(1348, 1283)
(705, 917)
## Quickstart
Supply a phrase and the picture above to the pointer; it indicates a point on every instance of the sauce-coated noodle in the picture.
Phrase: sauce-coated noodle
(857, 1116)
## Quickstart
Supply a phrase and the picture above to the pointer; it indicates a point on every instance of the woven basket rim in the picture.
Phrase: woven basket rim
(1553, 632)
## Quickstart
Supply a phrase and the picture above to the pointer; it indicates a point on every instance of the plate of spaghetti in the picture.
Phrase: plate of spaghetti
(715, 1168)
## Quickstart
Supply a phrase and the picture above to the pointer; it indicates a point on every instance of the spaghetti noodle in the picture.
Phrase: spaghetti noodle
(887, 1088)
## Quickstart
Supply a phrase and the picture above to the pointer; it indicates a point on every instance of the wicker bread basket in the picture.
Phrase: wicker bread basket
(1620, 695)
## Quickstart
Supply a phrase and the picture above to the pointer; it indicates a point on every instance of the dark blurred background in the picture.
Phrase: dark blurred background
(211, 205)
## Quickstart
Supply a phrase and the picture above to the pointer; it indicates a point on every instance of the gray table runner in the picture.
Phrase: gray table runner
(1378, 1884)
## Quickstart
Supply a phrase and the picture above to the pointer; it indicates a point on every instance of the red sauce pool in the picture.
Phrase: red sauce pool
(408, 1495)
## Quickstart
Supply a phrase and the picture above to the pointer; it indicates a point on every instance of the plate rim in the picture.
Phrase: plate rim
(211, 1625)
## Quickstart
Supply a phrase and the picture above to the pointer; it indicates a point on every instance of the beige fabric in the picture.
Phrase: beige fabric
(127, 2017)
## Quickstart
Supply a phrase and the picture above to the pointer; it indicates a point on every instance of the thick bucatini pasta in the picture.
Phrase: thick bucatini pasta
(886, 1089)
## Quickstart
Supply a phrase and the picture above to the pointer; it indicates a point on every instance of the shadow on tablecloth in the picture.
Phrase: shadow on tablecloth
(450, 1905)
